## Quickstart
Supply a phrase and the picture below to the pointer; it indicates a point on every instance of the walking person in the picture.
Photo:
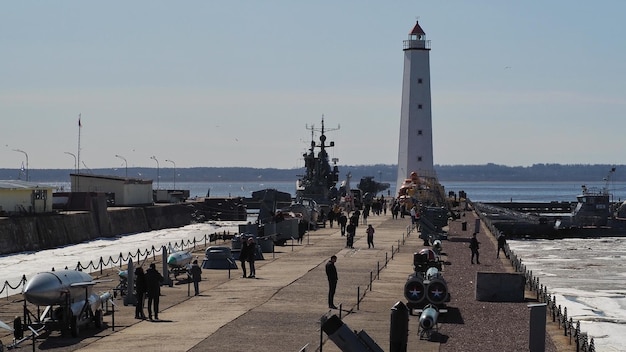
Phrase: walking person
(154, 279)
(366, 214)
(331, 217)
(413, 213)
(395, 209)
(331, 274)
(140, 292)
(370, 236)
(474, 247)
(355, 217)
(196, 275)
(343, 221)
(351, 232)
(501, 244)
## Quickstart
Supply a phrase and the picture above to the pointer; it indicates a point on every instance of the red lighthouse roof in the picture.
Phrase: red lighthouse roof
(417, 30)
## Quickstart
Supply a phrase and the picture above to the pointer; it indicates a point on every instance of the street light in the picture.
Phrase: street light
(155, 159)
(74, 155)
(125, 163)
(170, 161)
(23, 152)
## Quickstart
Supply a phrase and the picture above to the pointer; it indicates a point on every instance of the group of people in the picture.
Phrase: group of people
(148, 284)
(475, 245)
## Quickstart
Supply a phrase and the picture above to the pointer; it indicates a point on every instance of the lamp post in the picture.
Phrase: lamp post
(75, 160)
(23, 152)
(170, 161)
(125, 163)
(155, 159)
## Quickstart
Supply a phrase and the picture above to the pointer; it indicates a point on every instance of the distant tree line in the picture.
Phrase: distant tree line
(380, 172)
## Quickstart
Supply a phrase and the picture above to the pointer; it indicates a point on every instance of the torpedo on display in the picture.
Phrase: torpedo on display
(70, 303)
(428, 321)
(426, 285)
(179, 262)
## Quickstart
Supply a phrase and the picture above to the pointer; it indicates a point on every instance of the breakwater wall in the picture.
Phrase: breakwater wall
(38, 232)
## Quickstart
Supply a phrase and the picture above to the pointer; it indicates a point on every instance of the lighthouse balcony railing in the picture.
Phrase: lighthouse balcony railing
(417, 44)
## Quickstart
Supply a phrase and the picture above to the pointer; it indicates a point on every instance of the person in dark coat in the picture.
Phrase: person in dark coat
(351, 232)
(331, 217)
(243, 254)
(474, 248)
(370, 236)
(195, 272)
(249, 255)
(343, 221)
(140, 292)
(501, 244)
(331, 273)
(154, 279)
(355, 217)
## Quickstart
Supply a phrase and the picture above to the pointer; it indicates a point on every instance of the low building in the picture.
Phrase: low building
(126, 191)
(21, 197)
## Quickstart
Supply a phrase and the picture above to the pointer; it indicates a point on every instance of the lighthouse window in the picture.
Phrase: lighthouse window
(419, 106)
(419, 158)
(419, 132)
(419, 80)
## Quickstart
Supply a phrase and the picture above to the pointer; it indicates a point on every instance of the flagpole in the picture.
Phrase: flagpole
(78, 157)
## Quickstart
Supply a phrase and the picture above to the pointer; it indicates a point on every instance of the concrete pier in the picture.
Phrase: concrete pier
(281, 309)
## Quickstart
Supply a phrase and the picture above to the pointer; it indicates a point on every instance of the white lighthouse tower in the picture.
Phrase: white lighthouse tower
(415, 153)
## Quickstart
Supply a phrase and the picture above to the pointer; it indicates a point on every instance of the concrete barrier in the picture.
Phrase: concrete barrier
(500, 287)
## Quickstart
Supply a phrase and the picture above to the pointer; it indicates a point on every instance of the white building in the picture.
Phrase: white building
(25, 197)
(415, 152)
(128, 191)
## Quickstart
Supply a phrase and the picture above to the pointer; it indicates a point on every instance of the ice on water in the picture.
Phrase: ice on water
(587, 277)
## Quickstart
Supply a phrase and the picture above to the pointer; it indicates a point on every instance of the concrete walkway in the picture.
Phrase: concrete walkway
(280, 310)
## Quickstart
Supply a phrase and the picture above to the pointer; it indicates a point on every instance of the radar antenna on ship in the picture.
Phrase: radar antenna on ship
(321, 130)
(608, 179)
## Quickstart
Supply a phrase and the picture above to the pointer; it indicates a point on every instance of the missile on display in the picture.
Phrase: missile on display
(179, 262)
(70, 300)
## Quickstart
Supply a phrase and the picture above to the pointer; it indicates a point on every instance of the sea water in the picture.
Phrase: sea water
(482, 191)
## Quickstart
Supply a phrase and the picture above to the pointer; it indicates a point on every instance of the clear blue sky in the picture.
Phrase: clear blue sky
(235, 83)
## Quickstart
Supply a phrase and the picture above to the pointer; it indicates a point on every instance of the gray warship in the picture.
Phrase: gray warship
(320, 178)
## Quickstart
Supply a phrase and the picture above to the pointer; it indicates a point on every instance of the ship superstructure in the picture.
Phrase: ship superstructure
(320, 178)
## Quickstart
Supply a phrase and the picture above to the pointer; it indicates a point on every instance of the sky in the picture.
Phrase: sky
(240, 83)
